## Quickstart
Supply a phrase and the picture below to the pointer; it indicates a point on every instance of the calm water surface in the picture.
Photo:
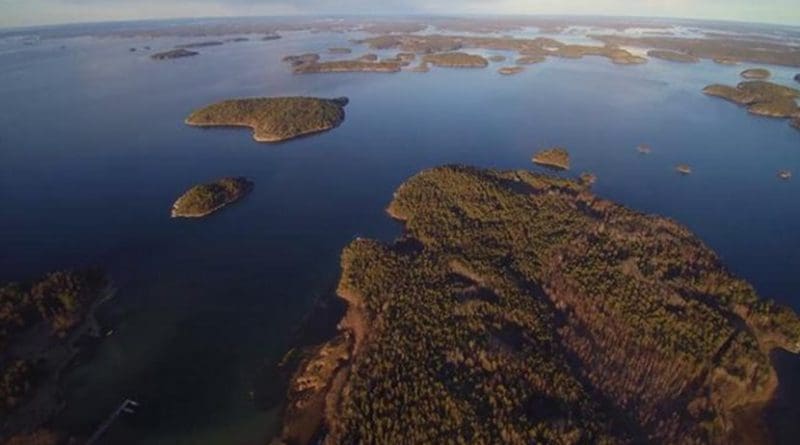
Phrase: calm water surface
(93, 151)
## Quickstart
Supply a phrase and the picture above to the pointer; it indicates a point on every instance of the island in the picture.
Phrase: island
(510, 70)
(530, 60)
(556, 157)
(301, 59)
(785, 174)
(205, 199)
(340, 50)
(497, 58)
(683, 169)
(44, 325)
(271, 36)
(522, 308)
(350, 66)
(273, 119)
(797, 78)
(173, 54)
(760, 97)
(644, 149)
(456, 60)
(756, 74)
(201, 44)
(725, 61)
(672, 56)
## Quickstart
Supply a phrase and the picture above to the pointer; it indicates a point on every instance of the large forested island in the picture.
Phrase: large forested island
(273, 119)
(41, 323)
(520, 308)
(205, 199)
(760, 97)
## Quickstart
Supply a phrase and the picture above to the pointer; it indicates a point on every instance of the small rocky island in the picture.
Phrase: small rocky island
(683, 169)
(456, 60)
(785, 174)
(174, 54)
(273, 119)
(557, 158)
(521, 308)
(797, 78)
(205, 199)
(510, 70)
(756, 74)
(672, 56)
(644, 149)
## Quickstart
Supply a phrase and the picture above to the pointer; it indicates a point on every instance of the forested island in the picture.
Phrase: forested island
(520, 308)
(273, 119)
(41, 323)
(510, 70)
(456, 60)
(756, 74)
(553, 157)
(760, 97)
(673, 56)
(174, 54)
(205, 199)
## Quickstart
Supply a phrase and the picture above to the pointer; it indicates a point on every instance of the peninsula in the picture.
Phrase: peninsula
(173, 54)
(42, 323)
(205, 199)
(273, 119)
(760, 97)
(557, 158)
(521, 308)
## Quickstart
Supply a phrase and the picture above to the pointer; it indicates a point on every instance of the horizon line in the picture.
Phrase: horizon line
(388, 15)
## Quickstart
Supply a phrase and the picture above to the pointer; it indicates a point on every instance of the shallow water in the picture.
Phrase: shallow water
(93, 151)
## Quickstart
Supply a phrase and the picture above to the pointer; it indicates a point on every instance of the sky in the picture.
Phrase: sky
(41, 12)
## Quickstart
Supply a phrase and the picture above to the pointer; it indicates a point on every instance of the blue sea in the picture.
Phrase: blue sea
(93, 151)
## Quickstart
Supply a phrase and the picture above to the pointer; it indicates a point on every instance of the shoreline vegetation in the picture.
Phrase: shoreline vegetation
(204, 199)
(273, 119)
(761, 98)
(560, 318)
(44, 325)
(557, 158)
